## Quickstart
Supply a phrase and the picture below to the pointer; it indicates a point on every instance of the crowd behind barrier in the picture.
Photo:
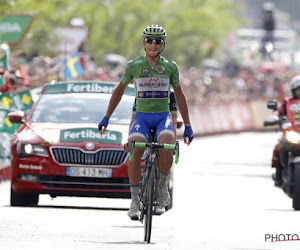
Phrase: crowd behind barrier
(222, 99)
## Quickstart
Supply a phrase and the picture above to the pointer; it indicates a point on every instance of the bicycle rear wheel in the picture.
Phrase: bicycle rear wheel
(149, 204)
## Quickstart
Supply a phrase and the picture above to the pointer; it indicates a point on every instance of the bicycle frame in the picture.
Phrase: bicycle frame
(149, 181)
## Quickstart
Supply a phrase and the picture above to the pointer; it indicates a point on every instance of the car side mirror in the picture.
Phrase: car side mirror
(179, 124)
(16, 116)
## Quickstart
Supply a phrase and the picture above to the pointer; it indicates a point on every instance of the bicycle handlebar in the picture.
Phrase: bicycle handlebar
(154, 145)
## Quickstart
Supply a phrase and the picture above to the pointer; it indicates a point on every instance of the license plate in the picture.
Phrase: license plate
(89, 172)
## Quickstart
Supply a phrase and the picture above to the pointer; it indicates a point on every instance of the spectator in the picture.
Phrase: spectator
(268, 24)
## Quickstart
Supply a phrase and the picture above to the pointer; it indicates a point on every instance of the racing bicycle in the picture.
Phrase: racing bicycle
(149, 182)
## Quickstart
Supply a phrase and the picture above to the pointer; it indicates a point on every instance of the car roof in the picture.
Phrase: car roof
(84, 87)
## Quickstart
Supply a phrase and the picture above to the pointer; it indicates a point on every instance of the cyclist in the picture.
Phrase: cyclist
(279, 157)
(152, 75)
(173, 109)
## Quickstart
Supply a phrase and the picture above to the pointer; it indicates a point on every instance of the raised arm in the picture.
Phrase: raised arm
(183, 108)
(113, 103)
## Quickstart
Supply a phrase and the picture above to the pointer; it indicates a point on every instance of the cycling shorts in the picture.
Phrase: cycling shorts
(144, 122)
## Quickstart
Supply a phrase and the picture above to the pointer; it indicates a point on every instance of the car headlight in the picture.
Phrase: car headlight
(292, 136)
(27, 149)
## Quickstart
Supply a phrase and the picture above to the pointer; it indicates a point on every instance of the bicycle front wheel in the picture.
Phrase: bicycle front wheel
(149, 204)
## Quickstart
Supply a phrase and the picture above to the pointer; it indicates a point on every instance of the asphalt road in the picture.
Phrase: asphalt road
(224, 198)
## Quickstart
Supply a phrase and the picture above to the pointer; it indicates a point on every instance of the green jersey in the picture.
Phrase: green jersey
(152, 84)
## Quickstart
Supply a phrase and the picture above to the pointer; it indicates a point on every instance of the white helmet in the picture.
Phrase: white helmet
(295, 83)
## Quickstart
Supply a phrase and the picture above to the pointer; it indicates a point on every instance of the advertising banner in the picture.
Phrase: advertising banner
(13, 28)
(5, 125)
(70, 38)
(22, 101)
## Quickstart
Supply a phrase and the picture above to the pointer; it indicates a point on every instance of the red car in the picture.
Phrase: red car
(58, 150)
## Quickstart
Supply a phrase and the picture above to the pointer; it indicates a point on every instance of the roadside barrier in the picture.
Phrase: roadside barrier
(231, 117)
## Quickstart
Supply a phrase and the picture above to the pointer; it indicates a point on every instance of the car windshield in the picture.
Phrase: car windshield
(80, 108)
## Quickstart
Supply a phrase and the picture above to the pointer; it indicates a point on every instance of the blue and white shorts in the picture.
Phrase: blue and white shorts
(144, 122)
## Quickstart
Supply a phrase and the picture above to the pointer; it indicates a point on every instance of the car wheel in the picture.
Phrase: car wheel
(23, 199)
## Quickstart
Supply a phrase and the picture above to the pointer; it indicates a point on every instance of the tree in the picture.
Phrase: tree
(195, 28)
(47, 15)
(198, 29)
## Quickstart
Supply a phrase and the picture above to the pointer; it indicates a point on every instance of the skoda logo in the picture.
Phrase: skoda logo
(89, 145)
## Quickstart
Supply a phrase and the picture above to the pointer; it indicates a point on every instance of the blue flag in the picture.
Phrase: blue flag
(73, 67)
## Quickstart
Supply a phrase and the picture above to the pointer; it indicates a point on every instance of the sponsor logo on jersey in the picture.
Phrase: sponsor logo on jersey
(145, 72)
(159, 69)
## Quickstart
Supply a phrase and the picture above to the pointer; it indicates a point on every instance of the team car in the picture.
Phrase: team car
(58, 151)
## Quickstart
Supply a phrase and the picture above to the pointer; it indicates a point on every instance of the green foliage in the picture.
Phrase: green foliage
(195, 28)
(47, 15)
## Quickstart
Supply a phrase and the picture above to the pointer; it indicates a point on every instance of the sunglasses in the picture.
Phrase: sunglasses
(154, 40)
